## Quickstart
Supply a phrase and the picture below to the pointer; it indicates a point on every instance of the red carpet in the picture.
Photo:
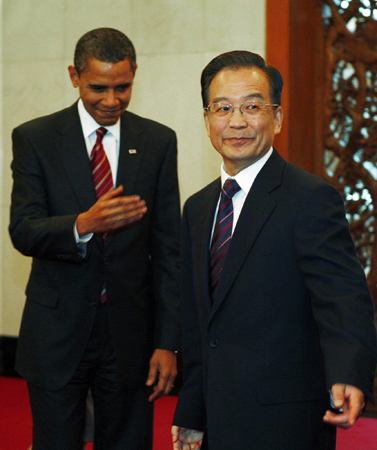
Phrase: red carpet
(362, 436)
(16, 425)
(16, 428)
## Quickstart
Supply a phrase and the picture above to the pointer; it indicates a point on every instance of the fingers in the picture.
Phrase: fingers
(111, 212)
(152, 374)
(351, 400)
(177, 445)
(120, 209)
(174, 433)
(118, 213)
(163, 387)
(338, 393)
(163, 363)
(186, 439)
(195, 446)
(170, 384)
(113, 192)
(356, 404)
(339, 420)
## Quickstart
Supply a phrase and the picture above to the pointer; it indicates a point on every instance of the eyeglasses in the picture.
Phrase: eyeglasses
(251, 108)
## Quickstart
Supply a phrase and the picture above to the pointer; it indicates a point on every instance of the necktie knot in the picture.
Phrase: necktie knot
(230, 188)
(100, 132)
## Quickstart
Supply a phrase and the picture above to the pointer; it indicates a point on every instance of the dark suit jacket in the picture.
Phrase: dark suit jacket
(293, 315)
(52, 185)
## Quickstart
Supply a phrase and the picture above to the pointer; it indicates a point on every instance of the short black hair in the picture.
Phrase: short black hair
(106, 45)
(236, 60)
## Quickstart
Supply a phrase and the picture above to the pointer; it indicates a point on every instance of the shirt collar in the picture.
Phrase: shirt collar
(246, 177)
(89, 125)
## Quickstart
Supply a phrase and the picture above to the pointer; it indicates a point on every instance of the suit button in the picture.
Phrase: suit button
(213, 343)
(94, 305)
(106, 260)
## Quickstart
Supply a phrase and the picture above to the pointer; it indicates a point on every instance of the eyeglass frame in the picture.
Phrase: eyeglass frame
(206, 108)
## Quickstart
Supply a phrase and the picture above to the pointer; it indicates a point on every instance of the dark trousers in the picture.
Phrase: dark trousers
(123, 417)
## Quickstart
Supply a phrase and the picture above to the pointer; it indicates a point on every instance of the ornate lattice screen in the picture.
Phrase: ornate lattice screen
(350, 129)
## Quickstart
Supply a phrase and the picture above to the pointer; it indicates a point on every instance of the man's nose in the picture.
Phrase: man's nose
(237, 119)
(110, 99)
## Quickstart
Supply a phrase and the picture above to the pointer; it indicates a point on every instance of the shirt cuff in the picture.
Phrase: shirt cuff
(82, 240)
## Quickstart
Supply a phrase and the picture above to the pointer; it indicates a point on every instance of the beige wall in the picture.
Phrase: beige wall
(174, 40)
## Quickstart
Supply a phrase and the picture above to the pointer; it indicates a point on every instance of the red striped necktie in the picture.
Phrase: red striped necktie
(222, 233)
(103, 179)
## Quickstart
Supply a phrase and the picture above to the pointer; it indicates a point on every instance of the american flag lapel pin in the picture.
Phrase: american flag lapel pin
(132, 151)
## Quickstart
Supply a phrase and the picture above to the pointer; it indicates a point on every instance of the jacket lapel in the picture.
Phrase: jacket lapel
(131, 153)
(74, 158)
(202, 233)
(257, 209)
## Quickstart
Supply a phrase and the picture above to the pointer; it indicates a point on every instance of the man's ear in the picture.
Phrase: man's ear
(74, 76)
(206, 121)
(278, 117)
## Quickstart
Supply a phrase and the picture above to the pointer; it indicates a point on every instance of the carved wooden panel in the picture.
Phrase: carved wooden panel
(350, 128)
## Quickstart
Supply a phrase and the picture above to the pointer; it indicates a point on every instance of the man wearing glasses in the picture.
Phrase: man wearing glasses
(277, 317)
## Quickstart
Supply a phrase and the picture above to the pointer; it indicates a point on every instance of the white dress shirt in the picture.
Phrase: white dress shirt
(245, 180)
(111, 142)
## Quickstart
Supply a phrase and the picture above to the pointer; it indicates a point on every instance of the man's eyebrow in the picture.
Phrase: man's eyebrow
(128, 84)
(257, 95)
(97, 85)
(220, 99)
(104, 86)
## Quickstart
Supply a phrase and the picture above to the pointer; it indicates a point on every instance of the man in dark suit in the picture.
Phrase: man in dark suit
(101, 307)
(282, 315)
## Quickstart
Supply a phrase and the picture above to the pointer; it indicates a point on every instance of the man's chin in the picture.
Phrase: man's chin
(107, 121)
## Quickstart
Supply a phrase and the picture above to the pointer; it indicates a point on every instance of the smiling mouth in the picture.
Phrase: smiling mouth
(238, 139)
(112, 113)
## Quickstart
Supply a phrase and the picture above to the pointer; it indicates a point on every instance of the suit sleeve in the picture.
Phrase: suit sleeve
(341, 302)
(164, 250)
(34, 230)
(190, 412)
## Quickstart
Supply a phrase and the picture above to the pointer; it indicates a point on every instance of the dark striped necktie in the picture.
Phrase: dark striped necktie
(222, 233)
(103, 179)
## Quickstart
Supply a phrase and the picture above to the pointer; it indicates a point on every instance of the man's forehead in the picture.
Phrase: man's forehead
(249, 82)
(96, 67)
